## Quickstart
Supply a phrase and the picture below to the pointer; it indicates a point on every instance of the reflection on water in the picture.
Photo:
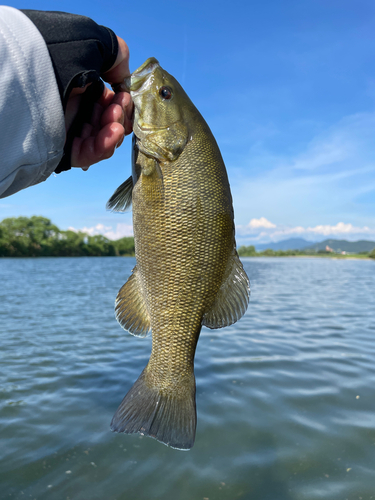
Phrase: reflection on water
(285, 397)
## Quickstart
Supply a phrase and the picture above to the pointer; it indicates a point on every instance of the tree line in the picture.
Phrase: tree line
(249, 251)
(37, 237)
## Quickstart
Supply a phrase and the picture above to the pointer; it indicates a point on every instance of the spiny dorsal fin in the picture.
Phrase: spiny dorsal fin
(131, 309)
(232, 298)
(121, 199)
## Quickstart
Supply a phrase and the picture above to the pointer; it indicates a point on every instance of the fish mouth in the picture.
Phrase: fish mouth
(145, 127)
(138, 81)
(140, 78)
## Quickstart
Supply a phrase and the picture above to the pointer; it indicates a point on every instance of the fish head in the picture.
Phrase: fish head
(162, 123)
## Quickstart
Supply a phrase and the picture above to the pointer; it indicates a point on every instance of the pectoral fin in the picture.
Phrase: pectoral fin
(130, 307)
(232, 298)
(122, 197)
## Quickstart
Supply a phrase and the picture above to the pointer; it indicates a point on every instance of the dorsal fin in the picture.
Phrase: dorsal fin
(232, 298)
(121, 199)
(131, 308)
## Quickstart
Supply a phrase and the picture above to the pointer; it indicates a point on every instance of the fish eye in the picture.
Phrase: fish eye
(166, 93)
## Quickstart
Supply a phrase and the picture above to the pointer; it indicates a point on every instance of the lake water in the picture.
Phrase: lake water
(285, 397)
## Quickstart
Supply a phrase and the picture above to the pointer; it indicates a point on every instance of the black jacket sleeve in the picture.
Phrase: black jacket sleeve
(81, 51)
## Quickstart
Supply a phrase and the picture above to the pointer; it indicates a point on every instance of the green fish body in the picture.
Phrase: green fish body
(188, 273)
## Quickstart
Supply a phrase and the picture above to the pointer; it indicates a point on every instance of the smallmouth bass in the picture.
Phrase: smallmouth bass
(188, 272)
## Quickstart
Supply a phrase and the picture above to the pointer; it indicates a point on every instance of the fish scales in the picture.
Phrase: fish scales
(188, 271)
(174, 244)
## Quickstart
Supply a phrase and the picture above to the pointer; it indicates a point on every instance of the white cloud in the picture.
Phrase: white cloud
(262, 222)
(337, 144)
(92, 231)
(340, 228)
(333, 173)
(120, 231)
(107, 231)
(259, 231)
(268, 231)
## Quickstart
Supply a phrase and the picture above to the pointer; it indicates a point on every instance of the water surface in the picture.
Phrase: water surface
(285, 398)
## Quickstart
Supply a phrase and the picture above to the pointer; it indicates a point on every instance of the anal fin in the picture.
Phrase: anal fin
(232, 299)
(131, 308)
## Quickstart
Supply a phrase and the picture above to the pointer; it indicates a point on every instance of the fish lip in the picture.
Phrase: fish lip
(141, 75)
(145, 127)
(143, 69)
(136, 80)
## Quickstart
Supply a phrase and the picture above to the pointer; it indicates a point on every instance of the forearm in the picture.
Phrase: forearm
(32, 127)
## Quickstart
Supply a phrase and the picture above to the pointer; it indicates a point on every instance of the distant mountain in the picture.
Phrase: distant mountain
(343, 246)
(336, 245)
(290, 244)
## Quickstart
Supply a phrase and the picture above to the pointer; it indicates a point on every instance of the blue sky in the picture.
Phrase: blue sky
(288, 89)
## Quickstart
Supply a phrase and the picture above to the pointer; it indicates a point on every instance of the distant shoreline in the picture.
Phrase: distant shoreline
(333, 257)
(36, 236)
(328, 253)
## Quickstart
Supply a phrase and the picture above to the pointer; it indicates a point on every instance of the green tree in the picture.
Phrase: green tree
(269, 252)
(100, 245)
(372, 254)
(124, 246)
(70, 244)
(244, 251)
(36, 237)
(23, 236)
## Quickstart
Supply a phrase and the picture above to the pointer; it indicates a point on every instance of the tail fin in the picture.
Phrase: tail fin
(170, 418)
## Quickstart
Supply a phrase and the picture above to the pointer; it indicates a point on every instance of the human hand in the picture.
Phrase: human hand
(111, 118)
(83, 54)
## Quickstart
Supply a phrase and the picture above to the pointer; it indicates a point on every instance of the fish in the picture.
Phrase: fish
(188, 273)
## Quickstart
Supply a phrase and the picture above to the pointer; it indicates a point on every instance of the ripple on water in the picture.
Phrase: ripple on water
(285, 397)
